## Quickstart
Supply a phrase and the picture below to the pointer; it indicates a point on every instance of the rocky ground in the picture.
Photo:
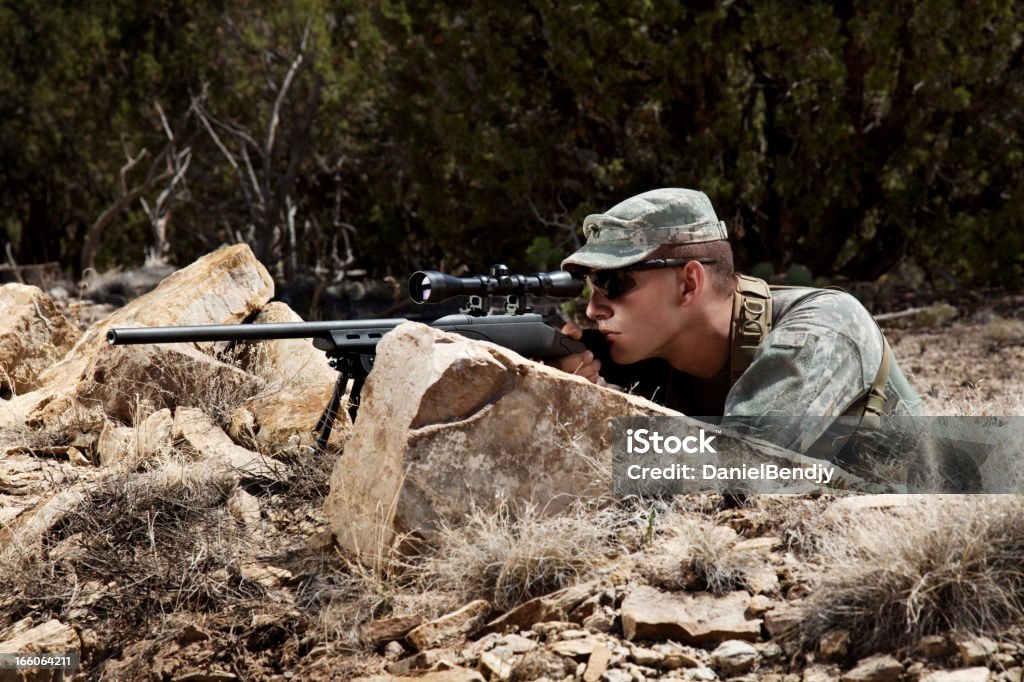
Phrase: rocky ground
(175, 569)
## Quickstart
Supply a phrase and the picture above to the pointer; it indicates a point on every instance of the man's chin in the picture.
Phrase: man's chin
(623, 356)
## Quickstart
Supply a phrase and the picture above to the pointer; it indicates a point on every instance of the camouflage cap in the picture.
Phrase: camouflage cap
(634, 229)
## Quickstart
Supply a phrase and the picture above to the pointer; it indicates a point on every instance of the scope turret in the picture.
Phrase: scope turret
(432, 286)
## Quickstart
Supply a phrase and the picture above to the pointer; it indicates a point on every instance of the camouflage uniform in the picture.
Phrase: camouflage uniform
(819, 360)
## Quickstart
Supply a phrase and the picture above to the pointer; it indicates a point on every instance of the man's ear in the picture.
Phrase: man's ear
(691, 279)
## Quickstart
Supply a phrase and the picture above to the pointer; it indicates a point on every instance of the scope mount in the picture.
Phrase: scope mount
(515, 304)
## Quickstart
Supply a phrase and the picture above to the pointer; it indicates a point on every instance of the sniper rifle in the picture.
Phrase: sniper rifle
(351, 345)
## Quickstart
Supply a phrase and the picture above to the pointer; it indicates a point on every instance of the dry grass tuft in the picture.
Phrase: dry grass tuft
(709, 554)
(343, 595)
(308, 475)
(219, 392)
(799, 521)
(138, 546)
(509, 558)
(1002, 331)
(939, 564)
(693, 552)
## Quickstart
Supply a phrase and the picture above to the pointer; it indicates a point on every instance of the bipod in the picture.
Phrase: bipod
(353, 366)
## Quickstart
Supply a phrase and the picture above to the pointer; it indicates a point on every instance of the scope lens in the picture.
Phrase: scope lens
(419, 287)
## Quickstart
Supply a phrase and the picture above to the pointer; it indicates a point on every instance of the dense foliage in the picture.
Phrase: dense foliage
(396, 134)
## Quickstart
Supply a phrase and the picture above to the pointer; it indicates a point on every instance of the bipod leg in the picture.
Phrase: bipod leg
(353, 397)
(325, 423)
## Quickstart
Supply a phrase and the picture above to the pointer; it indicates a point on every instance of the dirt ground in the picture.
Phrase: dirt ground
(972, 365)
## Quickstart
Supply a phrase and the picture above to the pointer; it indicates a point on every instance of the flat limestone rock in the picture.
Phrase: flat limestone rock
(49, 637)
(447, 423)
(383, 630)
(975, 674)
(879, 668)
(550, 607)
(692, 619)
(433, 633)
(209, 441)
(452, 675)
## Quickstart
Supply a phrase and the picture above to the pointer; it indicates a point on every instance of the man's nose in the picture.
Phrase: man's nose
(597, 307)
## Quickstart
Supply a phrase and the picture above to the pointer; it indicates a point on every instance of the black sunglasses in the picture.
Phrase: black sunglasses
(613, 283)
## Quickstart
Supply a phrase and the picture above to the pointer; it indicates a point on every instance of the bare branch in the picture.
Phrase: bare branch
(204, 118)
(275, 116)
(131, 163)
(567, 227)
(290, 210)
(207, 120)
(95, 232)
(163, 121)
(263, 199)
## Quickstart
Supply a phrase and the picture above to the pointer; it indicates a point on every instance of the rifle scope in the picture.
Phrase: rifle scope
(433, 286)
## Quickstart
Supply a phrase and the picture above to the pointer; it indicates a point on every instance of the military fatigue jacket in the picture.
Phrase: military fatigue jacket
(819, 360)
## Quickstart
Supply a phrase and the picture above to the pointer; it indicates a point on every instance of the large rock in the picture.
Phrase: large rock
(299, 384)
(223, 287)
(124, 380)
(33, 335)
(448, 424)
(289, 363)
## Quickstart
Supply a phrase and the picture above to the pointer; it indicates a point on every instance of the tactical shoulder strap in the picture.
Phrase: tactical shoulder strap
(751, 322)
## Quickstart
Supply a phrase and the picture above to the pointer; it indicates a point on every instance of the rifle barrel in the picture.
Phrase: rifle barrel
(526, 334)
(240, 332)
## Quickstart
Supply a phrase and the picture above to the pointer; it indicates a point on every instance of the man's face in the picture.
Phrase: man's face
(645, 321)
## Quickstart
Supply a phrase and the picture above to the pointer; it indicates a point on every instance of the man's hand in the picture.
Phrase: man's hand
(581, 364)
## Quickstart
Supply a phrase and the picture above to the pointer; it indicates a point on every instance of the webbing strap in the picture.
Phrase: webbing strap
(751, 322)
(876, 394)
